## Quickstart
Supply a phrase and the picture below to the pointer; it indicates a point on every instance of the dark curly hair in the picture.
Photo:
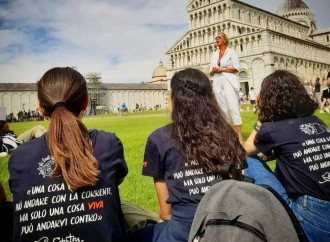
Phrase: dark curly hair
(283, 96)
(199, 126)
(2, 124)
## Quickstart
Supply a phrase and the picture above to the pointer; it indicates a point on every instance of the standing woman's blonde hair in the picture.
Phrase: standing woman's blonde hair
(63, 97)
(225, 36)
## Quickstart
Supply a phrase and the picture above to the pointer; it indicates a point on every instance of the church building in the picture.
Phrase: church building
(265, 41)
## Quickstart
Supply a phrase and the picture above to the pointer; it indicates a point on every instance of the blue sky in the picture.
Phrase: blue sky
(122, 39)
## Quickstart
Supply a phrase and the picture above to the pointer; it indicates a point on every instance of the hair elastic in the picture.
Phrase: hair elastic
(58, 104)
(190, 86)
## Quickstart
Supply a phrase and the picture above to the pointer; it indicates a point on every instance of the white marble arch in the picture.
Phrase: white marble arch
(6, 102)
(257, 75)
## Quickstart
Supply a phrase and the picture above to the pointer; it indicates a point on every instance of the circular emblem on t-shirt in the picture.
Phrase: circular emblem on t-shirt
(46, 166)
(308, 129)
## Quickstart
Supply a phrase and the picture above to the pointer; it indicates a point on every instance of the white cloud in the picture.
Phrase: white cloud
(124, 40)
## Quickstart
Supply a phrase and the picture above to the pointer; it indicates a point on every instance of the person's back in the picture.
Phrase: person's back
(183, 158)
(46, 208)
(65, 183)
(123, 106)
(306, 86)
(288, 131)
(317, 90)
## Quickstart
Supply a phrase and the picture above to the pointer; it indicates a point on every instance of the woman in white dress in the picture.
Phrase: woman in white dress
(223, 68)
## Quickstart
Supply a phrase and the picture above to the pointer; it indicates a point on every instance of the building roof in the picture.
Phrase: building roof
(291, 5)
(18, 87)
(134, 86)
(159, 72)
(321, 31)
(109, 86)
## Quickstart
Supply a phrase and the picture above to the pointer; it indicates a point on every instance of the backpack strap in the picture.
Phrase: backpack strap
(224, 172)
(243, 222)
(299, 230)
(240, 224)
(227, 172)
(230, 172)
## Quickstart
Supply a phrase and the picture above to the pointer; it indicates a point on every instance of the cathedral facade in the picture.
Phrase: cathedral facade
(264, 41)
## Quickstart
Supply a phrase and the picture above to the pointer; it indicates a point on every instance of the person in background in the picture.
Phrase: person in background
(252, 98)
(241, 99)
(325, 96)
(317, 92)
(65, 183)
(30, 134)
(308, 89)
(311, 88)
(124, 107)
(223, 68)
(9, 141)
(3, 149)
(190, 149)
(288, 131)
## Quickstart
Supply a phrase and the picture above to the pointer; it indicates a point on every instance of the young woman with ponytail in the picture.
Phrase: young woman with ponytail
(65, 183)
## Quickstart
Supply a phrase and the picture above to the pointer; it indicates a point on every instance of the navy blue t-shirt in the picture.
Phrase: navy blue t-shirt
(44, 208)
(326, 93)
(163, 160)
(302, 149)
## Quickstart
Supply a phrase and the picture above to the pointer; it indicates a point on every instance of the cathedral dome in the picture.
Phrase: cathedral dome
(159, 73)
(298, 11)
(291, 5)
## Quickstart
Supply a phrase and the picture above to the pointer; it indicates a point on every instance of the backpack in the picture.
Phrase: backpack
(234, 210)
(9, 143)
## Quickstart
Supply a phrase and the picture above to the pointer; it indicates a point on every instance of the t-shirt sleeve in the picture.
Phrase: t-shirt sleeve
(122, 169)
(152, 162)
(263, 140)
(325, 93)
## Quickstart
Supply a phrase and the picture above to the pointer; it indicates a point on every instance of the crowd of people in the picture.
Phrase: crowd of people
(123, 108)
(23, 115)
(320, 93)
(249, 98)
(65, 180)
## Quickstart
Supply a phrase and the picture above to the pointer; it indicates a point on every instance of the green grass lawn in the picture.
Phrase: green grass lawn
(133, 130)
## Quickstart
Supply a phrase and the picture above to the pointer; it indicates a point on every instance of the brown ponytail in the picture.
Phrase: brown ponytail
(68, 139)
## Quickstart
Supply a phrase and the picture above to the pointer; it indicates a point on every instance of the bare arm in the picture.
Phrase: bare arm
(162, 194)
(250, 148)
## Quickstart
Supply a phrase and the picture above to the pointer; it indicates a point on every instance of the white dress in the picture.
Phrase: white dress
(226, 85)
